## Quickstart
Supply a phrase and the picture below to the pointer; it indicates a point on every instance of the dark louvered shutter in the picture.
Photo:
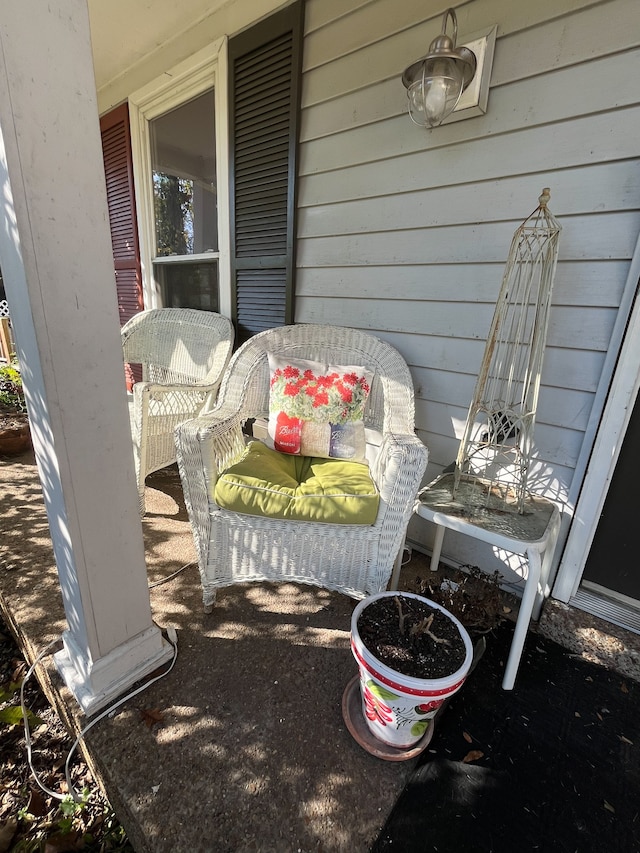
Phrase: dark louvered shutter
(118, 169)
(264, 98)
(116, 151)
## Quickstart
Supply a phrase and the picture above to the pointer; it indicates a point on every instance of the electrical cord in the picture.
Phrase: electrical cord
(172, 576)
(25, 720)
(172, 636)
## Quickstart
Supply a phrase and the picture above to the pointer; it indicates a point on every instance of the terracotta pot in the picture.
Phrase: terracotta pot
(14, 440)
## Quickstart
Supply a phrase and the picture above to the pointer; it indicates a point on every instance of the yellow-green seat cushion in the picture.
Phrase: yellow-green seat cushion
(300, 488)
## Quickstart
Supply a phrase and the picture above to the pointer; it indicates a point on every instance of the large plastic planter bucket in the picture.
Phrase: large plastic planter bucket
(397, 708)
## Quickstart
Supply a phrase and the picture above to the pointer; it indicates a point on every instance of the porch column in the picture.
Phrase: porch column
(55, 255)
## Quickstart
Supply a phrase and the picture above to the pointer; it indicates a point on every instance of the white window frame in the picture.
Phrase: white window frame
(204, 70)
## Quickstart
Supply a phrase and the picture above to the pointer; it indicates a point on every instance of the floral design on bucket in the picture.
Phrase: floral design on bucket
(426, 707)
(317, 409)
(395, 714)
(418, 729)
(375, 708)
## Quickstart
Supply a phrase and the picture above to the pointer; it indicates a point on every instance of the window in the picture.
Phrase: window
(180, 165)
(183, 164)
(214, 144)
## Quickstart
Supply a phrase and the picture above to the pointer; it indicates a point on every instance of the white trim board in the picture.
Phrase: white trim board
(608, 441)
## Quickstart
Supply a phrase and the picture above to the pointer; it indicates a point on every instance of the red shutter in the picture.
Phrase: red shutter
(116, 151)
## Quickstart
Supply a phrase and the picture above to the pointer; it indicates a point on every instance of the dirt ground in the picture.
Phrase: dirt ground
(31, 819)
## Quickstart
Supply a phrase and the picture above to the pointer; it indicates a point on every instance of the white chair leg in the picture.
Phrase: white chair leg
(545, 571)
(522, 622)
(208, 602)
(437, 547)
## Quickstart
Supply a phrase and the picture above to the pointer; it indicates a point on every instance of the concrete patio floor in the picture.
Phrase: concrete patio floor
(248, 751)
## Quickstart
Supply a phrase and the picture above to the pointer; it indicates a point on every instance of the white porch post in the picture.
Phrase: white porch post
(55, 255)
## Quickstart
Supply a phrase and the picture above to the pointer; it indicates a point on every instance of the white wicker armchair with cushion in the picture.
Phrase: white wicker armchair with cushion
(236, 547)
(183, 353)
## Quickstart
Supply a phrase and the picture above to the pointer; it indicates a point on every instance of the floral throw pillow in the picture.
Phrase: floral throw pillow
(317, 409)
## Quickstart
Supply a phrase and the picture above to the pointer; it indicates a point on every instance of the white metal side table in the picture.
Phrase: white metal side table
(475, 511)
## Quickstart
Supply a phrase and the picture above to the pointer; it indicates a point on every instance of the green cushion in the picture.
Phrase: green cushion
(300, 488)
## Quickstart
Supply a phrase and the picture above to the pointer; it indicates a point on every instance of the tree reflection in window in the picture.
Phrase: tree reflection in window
(183, 163)
(173, 201)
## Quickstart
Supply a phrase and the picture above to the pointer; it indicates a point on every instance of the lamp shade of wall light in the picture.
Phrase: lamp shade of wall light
(435, 83)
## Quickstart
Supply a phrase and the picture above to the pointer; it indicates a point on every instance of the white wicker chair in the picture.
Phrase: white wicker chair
(183, 354)
(353, 559)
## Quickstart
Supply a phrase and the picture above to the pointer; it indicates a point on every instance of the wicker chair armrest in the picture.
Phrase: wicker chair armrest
(153, 398)
(204, 446)
(157, 391)
(398, 472)
(210, 443)
(216, 436)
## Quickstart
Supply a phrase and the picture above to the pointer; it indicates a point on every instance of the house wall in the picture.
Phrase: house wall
(405, 232)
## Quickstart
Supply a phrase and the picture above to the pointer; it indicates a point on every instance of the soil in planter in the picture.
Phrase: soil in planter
(411, 637)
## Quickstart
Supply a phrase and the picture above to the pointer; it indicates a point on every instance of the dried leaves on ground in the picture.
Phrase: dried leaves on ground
(474, 597)
(31, 821)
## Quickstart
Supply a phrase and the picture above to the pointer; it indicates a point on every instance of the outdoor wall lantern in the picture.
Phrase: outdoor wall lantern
(435, 82)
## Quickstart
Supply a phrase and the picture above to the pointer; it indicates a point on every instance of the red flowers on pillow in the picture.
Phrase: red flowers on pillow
(317, 409)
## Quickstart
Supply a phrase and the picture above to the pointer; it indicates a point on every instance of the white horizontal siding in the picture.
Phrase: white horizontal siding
(568, 327)
(406, 232)
(356, 24)
(329, 12)
(556, 407)
(594, 237)
(522, 153)
(577, 282)
(554, 444)
(593, 189)
(577, 91)
(334, 52)
(563, 368)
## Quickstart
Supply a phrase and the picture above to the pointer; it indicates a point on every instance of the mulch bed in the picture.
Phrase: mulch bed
(552, 765)
(30, 820)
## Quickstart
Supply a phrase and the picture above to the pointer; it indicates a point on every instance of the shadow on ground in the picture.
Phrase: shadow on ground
(242, 747)
(552, 766)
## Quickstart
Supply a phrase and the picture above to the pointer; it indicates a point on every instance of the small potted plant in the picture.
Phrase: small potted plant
(14, 422)
(412, 655)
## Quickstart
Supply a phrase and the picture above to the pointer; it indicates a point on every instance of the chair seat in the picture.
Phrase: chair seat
(299, 488)
(533, 533)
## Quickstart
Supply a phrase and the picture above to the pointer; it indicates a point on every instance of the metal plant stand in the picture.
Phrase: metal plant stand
(486, 495)
(497, 440)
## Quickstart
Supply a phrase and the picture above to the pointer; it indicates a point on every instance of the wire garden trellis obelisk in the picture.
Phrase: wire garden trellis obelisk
(494, 455)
